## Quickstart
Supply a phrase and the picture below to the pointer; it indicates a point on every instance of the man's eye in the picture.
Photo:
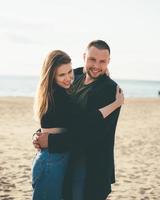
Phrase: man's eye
(92, 59)
(103, 62)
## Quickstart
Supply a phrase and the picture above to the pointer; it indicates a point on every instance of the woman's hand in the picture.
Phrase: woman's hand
(119, 96)
(108, 109)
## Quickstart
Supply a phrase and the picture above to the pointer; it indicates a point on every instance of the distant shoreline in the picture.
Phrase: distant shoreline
(26, 86)
(116, 79)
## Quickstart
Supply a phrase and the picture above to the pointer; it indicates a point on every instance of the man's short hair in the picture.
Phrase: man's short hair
(99, 44)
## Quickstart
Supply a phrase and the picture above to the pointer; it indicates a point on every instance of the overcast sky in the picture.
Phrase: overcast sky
(30, 29)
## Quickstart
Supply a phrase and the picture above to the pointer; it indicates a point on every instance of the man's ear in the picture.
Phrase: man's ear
(84, 70)
(107, 72)
(84, 56)
(109, 60)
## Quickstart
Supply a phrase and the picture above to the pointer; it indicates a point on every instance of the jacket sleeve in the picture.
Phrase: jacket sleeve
(81, 127)
(98, 129)
(87, 128)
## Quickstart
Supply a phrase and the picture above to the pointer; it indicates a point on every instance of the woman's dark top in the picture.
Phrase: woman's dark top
(54, 117)
(64, 113)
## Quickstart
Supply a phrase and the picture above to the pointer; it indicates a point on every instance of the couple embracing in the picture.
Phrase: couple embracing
(78, 112)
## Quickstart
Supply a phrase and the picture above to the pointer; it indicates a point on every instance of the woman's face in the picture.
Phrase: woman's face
(64, 75)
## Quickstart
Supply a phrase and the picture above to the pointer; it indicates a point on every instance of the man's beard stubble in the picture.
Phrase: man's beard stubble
(92, 77)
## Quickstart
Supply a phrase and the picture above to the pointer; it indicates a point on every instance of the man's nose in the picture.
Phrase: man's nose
(97, 65)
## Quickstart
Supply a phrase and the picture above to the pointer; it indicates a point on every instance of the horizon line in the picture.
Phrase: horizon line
(37, 76)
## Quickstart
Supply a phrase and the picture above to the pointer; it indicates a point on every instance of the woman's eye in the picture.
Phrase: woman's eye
(70, 72)
(61, 75)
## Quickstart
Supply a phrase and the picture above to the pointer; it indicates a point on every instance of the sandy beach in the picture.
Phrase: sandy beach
(137, 149)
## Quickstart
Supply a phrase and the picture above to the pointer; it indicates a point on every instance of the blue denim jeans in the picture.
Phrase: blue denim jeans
(48, 172)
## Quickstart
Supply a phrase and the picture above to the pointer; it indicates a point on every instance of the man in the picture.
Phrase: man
(91, 91)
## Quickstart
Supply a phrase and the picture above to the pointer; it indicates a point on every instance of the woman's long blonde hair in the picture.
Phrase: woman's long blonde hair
(45, 89)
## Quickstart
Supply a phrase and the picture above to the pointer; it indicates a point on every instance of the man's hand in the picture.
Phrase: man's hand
(43, 140)
(40, 140)
(35, 140)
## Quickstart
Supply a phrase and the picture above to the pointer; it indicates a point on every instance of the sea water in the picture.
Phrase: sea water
(26, 86)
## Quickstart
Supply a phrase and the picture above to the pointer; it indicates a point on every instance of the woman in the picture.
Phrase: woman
(56, 112)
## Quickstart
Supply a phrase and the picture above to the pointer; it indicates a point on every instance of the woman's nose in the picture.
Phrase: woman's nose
(68, 78)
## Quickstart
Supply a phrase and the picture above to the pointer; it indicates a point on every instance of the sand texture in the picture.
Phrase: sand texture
(137, 149)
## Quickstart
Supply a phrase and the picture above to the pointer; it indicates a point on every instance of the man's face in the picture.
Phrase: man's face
(96, 62)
